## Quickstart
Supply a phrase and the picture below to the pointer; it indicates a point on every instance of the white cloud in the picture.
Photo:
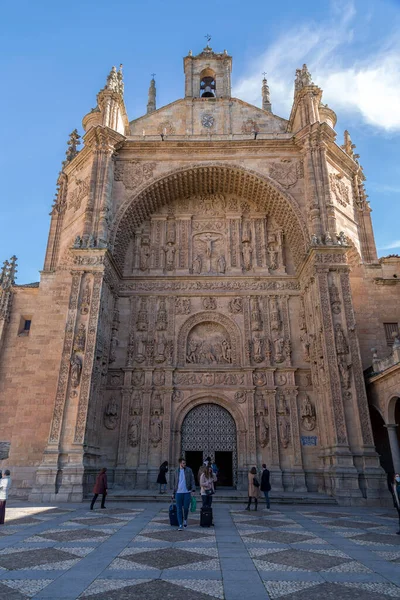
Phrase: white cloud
(369, 86)
(391, 246)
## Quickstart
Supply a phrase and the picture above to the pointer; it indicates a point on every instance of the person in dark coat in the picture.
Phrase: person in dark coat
(162, 477)
(100, 487)
(395, 491)
(265, 485)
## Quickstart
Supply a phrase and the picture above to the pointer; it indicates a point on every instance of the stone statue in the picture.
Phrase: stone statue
(305, 77)
(160, 349)
(247, 252)
(162, 318)
(275, 315)
(262, 424)
(257, 349)
(80, 339)
(256, 322)
(236, 305)
(273, 258)
(344, 371)
(197, 265)
(342, 239)
(155, 430)
(281, 407)
(113, 349)
(221, 264)
(144, 257)
(133, 432)
(284, 431)
(85, 300)
(158, 377)
(226, 352)
(307, 414)
(177, 396)
(76, 370)
(157, 404)
(111, 414)
(78, 242)
(169, 252)
(342, 346)
(279, 344)
(192, 352)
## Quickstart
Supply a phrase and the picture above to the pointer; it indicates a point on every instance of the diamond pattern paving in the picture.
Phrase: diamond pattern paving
(283, 537)
(32, 558)
(72, 535)
(329, 591)
(174, 535)
(151, 590)
(166, 558)
(7, 593)
(378, 538)
(98, 521)
(351, 524)
(310, 561)
(265, 523)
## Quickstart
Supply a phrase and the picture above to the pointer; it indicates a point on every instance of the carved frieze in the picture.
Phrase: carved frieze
(209, 379)
(133, 173)
(286, 172)
(339, 189)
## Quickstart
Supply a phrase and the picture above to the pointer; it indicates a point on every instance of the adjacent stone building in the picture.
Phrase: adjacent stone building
(210, 287)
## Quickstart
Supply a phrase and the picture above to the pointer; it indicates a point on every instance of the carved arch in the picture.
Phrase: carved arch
(213, 317)
(391, 407)
(206, 398)
(210, 178)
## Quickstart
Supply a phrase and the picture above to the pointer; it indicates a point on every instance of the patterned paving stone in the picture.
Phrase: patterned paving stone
(174, 535)
(282, 537)
(377, 538)
(31, 558)
(167, 558)
(23, 521)
(304, 560)
(265, 523)
(311, 590)
(351, 524)
(71, 535)
(89, 521)
(328, 515)
(14, 589)
(155, 590)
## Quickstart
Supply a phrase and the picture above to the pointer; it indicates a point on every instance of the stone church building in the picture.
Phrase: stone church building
(211, 287)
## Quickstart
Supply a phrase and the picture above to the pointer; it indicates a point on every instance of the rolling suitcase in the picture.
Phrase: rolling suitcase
(173, 515)
(206, 516)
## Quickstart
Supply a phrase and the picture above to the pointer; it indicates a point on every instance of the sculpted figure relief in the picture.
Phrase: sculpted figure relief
(256, 321)
(134, 431)
(162, 319)
(284, 430)
(76, 370)
(80, 339)
(307, 414)
(197, 265)
(262, 424)
(169, 252)
(111, 414)
(258, 349)
(156, 430)
(85, 301)
(236, 305)
(182, 306)
(221, 265)
(342, 346)
(247, 253)
(279, 344)
(144, 258)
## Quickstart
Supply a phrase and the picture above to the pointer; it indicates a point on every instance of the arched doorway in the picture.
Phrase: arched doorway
(381, 439)
(210, 430)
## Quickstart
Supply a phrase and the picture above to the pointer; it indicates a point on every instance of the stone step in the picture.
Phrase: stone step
(225, 496)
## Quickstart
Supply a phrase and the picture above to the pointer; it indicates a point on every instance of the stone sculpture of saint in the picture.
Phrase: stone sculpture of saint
(76, 370)
(144, 257)
(284, 431)
(226, 351)
(221, 264)
(155, 430)
(247, 252)
(133, 432)
(197, 264)
(111, 414)
(340, 339)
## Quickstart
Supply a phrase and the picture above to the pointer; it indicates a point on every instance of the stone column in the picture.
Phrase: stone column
(274, 467)
(394, 445)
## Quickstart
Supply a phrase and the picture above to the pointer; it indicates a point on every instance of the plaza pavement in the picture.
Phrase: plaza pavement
(130, 551)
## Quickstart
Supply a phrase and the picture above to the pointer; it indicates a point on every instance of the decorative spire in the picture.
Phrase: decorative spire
(72, 149)
(7, 273)
(303, 78)
(348, 146)
(115, 81)
(151, 103)
(266, 100)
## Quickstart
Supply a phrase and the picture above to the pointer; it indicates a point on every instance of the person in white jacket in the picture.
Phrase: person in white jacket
(5, 483)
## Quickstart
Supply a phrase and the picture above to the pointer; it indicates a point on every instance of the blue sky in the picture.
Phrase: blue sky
(54, 58)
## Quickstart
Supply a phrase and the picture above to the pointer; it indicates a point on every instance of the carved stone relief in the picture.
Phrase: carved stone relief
(209, 344)
(134, 173)
(286, 172)
(182, 306)
(80, 339)
(307, 413)
(134, 431)
(236, 305)
(339, 189)
(82, 187)
(85, 300)
(111, 414)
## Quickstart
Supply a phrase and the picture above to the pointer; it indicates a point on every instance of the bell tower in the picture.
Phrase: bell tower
(208, 75)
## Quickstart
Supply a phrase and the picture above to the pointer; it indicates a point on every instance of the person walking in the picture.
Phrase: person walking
(162, 477)
(254, 488)
(184, 484)
(395, 490)
(5, 483)
(265, 485)
(207, 481)
(100, 487)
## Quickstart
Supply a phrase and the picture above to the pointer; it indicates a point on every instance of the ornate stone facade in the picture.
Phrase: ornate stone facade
(197, 277)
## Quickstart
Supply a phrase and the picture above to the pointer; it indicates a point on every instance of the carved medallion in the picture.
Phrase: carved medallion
(207, 120)
(286, 172)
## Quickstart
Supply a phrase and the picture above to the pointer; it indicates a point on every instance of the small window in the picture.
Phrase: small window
(24, 325)
(390, 329)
